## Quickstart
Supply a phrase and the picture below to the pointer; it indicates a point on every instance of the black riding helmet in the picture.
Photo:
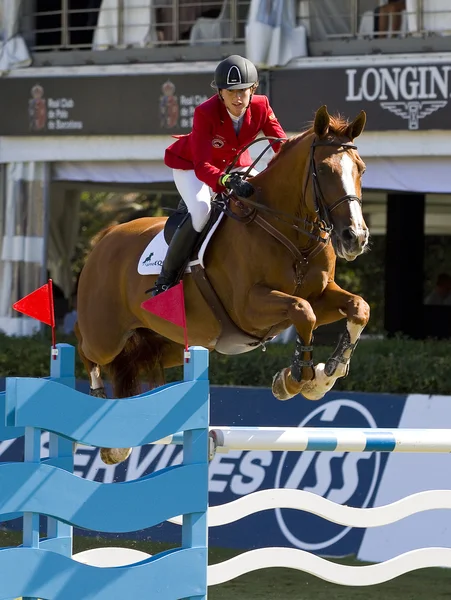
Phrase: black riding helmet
(235, 73)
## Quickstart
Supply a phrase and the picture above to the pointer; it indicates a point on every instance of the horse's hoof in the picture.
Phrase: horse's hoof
(279, 388)
(114, 456)
(310, 393)
(319, 386)
(98, 392)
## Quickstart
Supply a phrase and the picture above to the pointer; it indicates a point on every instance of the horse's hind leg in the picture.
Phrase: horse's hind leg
(144, 353)
(96, 387)
(334, 304)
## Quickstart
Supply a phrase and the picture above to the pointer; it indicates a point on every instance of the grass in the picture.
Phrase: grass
(286, 584)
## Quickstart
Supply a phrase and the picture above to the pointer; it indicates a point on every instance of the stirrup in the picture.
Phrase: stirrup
(159, 288)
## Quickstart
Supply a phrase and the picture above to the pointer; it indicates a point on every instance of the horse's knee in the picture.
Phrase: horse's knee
(367, 311)
(362, 311)
(301, 312)
(357, 311)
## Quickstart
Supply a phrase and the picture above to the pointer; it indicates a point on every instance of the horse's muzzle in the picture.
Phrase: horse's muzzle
(350, 243)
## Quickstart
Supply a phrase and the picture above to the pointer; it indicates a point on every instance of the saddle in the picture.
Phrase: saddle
(232, 339)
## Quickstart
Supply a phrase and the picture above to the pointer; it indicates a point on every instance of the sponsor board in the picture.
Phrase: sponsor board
(408, 97)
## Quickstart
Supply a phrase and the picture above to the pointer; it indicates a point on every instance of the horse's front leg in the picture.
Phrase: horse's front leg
(334, 304)
(267, 307)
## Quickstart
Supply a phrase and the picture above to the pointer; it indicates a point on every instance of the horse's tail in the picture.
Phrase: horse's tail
(141, 356)
(100, 235)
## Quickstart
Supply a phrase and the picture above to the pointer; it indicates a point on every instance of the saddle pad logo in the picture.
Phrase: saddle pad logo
(147, 261)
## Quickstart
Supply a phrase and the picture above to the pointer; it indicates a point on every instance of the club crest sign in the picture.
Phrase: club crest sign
(410, 92)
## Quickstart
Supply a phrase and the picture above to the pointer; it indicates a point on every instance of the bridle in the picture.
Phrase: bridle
(322, 209)
(320, 229)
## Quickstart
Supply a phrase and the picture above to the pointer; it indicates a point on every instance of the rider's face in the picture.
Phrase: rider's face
(236, 101)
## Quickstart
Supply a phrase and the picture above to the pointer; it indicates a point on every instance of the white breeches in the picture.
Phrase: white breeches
(197, 195)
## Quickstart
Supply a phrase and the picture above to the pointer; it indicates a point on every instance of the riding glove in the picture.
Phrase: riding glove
(237, 185)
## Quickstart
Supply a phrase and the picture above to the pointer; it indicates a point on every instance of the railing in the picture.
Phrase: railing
(357, 19)
(149, 23)
(135, 23)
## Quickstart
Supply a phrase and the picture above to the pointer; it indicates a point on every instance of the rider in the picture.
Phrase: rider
(222, 126)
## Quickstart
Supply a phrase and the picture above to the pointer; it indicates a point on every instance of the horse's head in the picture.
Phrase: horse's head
(334, 177)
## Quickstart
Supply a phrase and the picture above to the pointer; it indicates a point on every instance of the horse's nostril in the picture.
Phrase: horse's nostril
(349, 235)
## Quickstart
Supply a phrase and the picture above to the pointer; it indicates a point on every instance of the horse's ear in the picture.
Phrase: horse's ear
(322, 121)
(357, 126)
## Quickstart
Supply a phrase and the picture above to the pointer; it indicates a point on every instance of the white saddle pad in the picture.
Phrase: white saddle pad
(152, 258)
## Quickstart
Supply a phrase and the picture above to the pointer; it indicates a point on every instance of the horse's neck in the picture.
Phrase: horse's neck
(282, 184)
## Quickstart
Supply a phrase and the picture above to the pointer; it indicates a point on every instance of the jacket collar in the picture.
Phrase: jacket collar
(246, 123)
(228, 123)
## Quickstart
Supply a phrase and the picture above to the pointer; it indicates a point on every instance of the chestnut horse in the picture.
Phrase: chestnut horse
(275, 271)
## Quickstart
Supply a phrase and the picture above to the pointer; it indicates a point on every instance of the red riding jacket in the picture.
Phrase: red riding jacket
(213, 144)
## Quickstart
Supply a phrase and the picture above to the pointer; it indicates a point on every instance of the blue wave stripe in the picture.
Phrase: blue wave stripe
(127, 422)
(116, 507)
(44, 574)
(379, 441)
(60, 544)
(7, 433)
(322, 443)
(10, 516)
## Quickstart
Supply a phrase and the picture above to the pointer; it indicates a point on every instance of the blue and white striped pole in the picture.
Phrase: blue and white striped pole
(325, 439)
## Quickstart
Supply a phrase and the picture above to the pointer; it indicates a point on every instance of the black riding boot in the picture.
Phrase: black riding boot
(178, 255)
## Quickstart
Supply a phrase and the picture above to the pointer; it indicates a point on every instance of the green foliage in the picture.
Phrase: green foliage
(30, 356)
(103, 209)
(386, 366)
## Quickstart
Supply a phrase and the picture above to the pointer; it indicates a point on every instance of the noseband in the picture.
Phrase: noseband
(322, 209)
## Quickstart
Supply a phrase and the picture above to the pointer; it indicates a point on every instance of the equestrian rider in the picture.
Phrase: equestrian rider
(222, 126)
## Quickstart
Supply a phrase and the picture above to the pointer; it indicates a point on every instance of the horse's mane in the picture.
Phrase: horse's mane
(338, 126)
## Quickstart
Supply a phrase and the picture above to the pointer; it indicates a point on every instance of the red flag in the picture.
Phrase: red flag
(170, 305)
(38, 305)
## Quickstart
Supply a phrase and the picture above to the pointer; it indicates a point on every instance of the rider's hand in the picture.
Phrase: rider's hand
(237, 185)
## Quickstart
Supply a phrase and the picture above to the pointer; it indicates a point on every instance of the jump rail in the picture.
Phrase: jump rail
(325, 439)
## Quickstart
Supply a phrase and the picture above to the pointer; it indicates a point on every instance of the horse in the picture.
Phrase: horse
(274, 270)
